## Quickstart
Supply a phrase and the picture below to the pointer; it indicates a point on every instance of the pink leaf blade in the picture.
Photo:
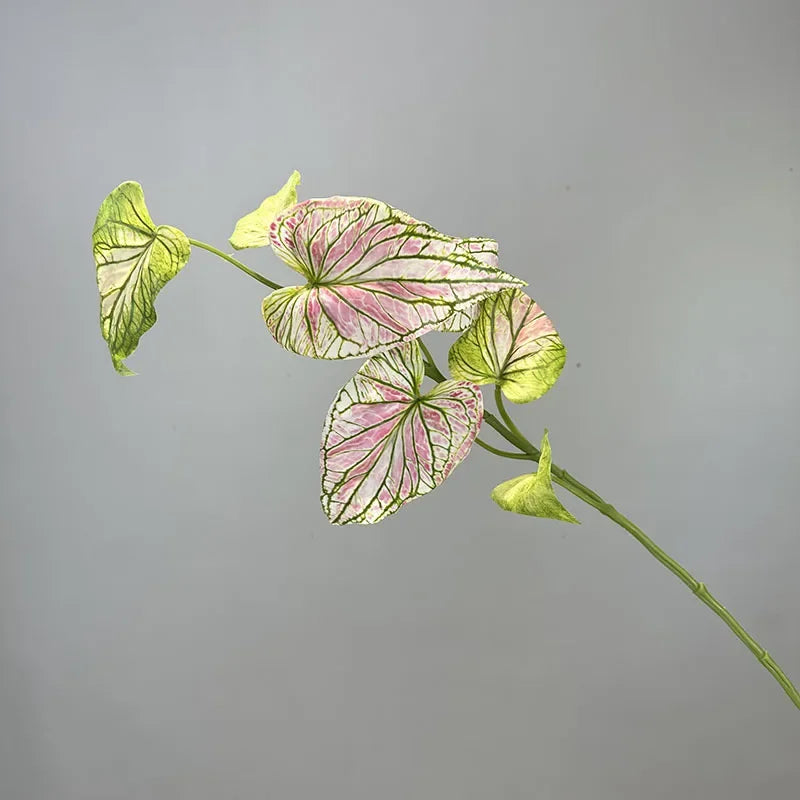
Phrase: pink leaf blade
(376, 277)
(486, 251)
(385, 443)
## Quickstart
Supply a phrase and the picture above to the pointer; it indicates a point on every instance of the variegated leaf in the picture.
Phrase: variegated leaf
(385, 442)
(252, 230)
(485, 250)
(376, 277)
(533, 494)
(513, 344)
(134, 259)
(459, 321)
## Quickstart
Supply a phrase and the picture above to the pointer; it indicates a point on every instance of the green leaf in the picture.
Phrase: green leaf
(252, 230)
(512, 343)
(135, 259)
(533, 494)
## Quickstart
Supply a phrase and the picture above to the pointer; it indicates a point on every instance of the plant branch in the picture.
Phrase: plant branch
(501, 407)
(511, 433)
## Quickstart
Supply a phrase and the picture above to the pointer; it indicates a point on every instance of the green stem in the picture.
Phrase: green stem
(431, 370)
(511, 433)
(238, 264)
(699, 589)
(501, 453)
(501, 407)
(512, 438)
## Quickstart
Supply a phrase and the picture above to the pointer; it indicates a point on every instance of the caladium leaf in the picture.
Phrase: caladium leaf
(513, 344)
(459, 320)
(533, 494)
(385, 442)
(485, 250)
(376, 278)
(252, 230)
(135, 259)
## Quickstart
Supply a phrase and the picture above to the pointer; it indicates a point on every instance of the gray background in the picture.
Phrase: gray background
(178, 619)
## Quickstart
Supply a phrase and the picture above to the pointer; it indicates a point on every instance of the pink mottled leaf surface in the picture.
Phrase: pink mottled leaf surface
(486, 251)
(376, 277)
(385, 442)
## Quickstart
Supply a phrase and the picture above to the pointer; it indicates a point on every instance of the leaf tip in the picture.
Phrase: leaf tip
(121, 367)
(252, 229)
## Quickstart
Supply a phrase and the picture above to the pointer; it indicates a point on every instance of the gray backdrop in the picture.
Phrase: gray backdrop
(179, 620)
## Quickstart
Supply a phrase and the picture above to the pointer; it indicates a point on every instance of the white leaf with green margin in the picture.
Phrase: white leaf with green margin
(252, 230)
(513, 344)
(375, 277)
(135, 259)
(533, 494)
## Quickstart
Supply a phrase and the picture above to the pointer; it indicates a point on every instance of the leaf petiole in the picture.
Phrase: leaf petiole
(236, 263)
(502, 453)
(501, 407)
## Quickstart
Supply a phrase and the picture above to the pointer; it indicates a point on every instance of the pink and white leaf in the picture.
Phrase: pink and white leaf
(376, 277)
(385, 443)
(485, 250)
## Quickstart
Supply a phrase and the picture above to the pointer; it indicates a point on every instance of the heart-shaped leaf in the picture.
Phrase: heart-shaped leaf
(512, 343)
(376, 278)
(252, 230)
(385, 442)
(135, 259)
(533, 494)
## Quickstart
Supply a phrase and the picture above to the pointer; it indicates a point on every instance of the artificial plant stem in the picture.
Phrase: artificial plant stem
(431, 370)
(512, 438)
(501, 407)
(238, 264)
(512, 435)
(698, 588)
(501, 453)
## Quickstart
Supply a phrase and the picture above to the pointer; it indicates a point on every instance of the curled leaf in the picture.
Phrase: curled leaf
(376, 277)
(252, 230)
(513, 344)
(385, 442)
(134, 259)
(533, 494)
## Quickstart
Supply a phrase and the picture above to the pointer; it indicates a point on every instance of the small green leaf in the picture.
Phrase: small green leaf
(512, 343)
(134, 259)
(533, 494)
(252, 230)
